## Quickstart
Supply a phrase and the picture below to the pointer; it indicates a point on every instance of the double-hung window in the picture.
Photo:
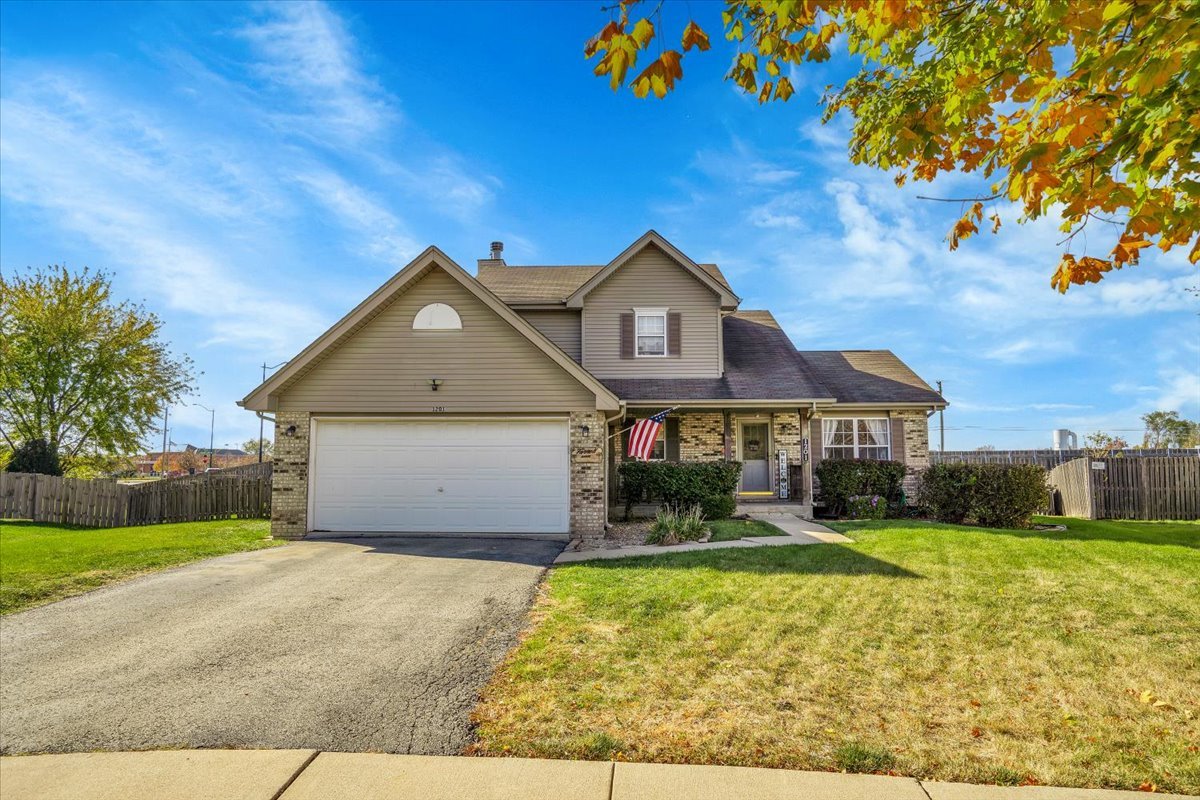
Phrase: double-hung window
(856, 437)
(651, 329)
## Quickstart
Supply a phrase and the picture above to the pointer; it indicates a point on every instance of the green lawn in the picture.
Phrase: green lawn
(938, 651)
(724, 530)
(40, 563)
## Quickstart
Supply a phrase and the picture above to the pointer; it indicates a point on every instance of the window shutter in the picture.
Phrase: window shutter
(674, 333)
(627, 337)
(897, 437)
(672, 452)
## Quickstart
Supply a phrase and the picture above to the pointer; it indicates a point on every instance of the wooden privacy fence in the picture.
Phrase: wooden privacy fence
(241, 492)
(1128, 488)
(1048, 458)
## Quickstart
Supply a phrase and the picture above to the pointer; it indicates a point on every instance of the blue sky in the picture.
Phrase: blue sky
(253, 171)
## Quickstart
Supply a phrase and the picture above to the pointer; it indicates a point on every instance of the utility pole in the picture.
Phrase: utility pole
(941, 423)
(166, 411)
(211, 424)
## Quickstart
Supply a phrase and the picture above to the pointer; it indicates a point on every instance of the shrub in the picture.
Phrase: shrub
(946, 490)
(1006, 496)
(718, 506)
(673, 527)
(842, 479)
(36, 456)
(995, 495)
(678, 484)
(866, 506)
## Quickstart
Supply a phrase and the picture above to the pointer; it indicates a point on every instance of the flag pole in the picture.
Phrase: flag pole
(618, 433)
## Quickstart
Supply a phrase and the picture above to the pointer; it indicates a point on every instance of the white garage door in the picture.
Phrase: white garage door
(454, 476)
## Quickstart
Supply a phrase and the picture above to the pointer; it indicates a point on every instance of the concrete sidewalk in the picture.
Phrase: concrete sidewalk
(309, 775)
(799, 531)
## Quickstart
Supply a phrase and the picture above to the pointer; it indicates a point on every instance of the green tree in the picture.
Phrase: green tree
(35, 456)
(1100, 444)
(87, 374)
(251, 446)
(1088, 110)
(1168, 429)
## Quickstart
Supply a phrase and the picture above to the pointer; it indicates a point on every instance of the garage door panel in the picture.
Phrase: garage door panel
(435, 475)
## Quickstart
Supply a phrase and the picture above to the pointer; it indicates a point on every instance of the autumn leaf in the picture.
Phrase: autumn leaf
(660, 76)
(1147, 786)
(1111, 132)
(643, 32)
(694, 36)
(1126, 251)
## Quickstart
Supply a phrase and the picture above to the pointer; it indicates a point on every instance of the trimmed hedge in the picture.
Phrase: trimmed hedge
(680, 484)
(993, 495)
(843, 478)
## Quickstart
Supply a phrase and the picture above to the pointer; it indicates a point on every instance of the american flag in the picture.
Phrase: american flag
(643, 434)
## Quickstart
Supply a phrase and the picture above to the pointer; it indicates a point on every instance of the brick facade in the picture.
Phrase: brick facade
(702, 436)
(289, 478)
(587, 474)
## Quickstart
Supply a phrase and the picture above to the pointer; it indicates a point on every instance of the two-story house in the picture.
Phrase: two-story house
(497, 403)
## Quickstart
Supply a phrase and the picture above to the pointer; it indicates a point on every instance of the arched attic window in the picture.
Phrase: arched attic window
(437, 317)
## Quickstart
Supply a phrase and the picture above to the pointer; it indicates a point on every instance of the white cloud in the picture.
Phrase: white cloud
(879, 253)
(379, 233)
(306, 52)
(90, 173)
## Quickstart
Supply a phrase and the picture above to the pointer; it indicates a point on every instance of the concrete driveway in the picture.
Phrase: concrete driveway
(367, 644)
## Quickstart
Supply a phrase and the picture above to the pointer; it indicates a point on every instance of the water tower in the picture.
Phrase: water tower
(1065, 439)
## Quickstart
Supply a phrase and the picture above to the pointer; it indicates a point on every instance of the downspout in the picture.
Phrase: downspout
(608, 421)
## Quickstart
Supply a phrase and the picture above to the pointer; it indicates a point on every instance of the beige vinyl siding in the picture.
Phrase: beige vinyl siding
(487, 367)
(651, 279)
(560, 327)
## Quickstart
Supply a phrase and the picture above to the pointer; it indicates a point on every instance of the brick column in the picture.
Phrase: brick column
(587, 474)
(289, 476)
(786, 433)
(915, 448)
(701, 436)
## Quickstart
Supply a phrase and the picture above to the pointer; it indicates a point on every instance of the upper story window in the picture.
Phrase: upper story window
(437, 317)
(856, 437)
(651, 327)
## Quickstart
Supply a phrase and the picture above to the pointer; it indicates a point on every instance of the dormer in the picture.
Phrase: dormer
(650, 312)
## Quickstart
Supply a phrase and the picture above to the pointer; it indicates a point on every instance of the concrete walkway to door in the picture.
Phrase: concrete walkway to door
(370, 644)
(799, 531)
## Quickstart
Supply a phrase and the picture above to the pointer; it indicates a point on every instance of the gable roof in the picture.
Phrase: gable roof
(543, 284)
(379, 299)
(869, 376)
(761, 364)
(719, 287)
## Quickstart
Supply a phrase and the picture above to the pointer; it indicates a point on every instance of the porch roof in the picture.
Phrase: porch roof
(761, 363)
(869, 376)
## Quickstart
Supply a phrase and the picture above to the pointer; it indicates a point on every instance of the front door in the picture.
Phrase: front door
(756, 474)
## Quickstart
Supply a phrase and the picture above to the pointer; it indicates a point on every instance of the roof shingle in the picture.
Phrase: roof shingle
(868, 376)
(550, 284)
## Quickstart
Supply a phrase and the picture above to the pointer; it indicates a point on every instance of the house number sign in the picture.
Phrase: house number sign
(783, 475)
(804, 450)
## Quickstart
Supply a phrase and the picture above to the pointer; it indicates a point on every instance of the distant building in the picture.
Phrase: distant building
(222, 457)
